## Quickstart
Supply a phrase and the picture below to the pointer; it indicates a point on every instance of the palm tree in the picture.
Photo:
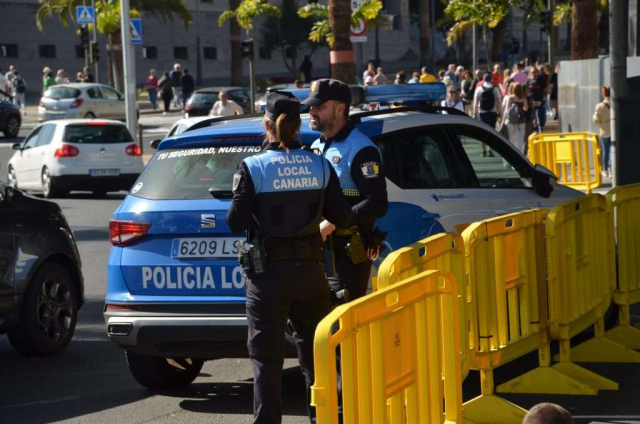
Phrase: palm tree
(425, 35)
(108, 21)
(242, 14)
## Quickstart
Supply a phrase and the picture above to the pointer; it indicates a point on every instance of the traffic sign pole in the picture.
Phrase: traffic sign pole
(95, 38)
(129, 70)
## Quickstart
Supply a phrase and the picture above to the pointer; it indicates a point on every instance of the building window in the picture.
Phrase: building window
(79, 52)
(48, 51)
(264, 52)
(210, 53)
(180, 52)
(150, 52)
(9, 50)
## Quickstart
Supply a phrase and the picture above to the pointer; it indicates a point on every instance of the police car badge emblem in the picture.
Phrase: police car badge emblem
(335, 159)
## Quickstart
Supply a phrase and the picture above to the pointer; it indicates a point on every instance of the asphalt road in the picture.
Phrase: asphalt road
(90, 381)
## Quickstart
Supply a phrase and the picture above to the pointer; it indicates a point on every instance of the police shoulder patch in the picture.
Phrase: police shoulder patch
(236, 181)
(370, 169)
(335, 159)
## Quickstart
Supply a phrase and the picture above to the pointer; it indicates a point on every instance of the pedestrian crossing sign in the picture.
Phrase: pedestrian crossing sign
(85, 15)
(136, 31)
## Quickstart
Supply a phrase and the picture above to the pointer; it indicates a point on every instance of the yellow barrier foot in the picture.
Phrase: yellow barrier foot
(601, 349)
(491, 409)
(587, 377)
(547, 380)
(625, 335)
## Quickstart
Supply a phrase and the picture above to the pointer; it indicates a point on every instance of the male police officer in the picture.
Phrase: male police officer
(357, 162)
(280, 196)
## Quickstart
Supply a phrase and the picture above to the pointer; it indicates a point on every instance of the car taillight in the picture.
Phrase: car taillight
(76, 103)
(187, 106)
(122, 233)
(66, 151)
(133, 150)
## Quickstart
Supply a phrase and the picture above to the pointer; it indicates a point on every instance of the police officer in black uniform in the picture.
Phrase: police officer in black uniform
(280, 196)
(357, 163)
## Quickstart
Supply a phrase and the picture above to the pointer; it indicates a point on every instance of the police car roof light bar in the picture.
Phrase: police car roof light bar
(357, 117)
(426, 92)
(213, 120)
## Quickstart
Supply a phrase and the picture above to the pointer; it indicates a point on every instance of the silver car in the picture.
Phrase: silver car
(81, 100)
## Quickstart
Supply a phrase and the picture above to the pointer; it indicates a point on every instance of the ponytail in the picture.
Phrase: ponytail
(283, 130)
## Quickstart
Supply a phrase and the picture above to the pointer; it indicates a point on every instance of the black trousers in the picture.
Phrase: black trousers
(355, 278)
(293, 290)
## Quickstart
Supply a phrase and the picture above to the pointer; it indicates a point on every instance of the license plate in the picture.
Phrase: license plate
(205, 247)
(104, 172)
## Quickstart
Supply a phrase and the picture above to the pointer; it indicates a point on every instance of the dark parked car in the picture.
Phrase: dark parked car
(201, 101)
(10, 118)
(41, 284)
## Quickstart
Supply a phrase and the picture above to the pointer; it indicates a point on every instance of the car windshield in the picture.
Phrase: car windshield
(96, 133)
(57, 93)
(204, 98)
(189, 173)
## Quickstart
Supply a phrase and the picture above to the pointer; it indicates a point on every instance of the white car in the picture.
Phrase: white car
(81, 100)
(76, 154)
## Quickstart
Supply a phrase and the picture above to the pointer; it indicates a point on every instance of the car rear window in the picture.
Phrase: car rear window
(204, 98)
(189, 173)
(96, 133)
(57, 93)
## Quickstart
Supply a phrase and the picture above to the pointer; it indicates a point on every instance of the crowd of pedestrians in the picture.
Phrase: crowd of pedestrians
(515, 101)
(174, 87)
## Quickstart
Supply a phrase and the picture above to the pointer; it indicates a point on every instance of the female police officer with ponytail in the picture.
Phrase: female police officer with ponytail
(280, 197)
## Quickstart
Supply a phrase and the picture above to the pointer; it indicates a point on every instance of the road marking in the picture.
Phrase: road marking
(41, 402)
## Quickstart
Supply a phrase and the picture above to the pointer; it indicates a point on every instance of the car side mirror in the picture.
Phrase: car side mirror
(6, 193)
(541, 180)
(16, 146)
(154, 143)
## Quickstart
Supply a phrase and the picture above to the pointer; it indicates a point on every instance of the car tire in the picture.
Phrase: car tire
(13, 127)
(12, 179)
(158, 373)
(90, 115)
(49, 190)
(49, 313)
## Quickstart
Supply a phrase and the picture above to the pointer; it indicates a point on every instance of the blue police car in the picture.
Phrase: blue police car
(175, 295)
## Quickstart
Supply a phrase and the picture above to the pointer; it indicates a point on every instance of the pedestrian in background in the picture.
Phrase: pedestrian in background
(535, 92)
(49, 81)
(415, 78)
(426, 76)
(3, 85)
(151, 85)
(225, 106)
(459, 72)
(602, 118)
(88, 76)
(19, 91)
(370, 72)
(548, 413)
(61, 77)
(165, 85)
(505, 76)
(305, 67)
(401, 78)
(553, 90)
(176, 76)
(79, 77)
(441, 73)
(8, 80)
(505, 86)
(497, 78)
(478, 79)
(467, 88)
(452, 99)
(515, 107)
(520, 76)
(380, 78)
(284, 221)
(451, 73)
(487, 106)
(188, 86)
(45, 73)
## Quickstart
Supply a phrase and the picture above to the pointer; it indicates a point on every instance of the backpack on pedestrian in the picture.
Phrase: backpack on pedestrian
(19, 85)
(487, 99)
(515, 115)
(467, 88)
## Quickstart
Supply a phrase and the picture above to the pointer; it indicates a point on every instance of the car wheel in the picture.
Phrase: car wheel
(49, 191)
(49, 313)
(90, 115)
(12, 180)
(158, 373)
(13, 127)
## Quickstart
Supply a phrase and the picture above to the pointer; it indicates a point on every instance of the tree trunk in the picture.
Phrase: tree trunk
(425, 33)
(236, 47)
(343, 65)
(497, 43)
(584, 38)
(485, 35)
(603, 31)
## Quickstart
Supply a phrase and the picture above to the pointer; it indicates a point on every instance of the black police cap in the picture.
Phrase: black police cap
(324, 90)
(279, 102)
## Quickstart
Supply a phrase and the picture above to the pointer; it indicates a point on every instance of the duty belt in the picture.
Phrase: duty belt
(351, 192)
(295, 251)
(346, 232)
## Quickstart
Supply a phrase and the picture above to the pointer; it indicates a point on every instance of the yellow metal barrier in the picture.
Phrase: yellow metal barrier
(387, 341)
(579, 280)
(571, 156)
(442, 252)
(624, 217)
